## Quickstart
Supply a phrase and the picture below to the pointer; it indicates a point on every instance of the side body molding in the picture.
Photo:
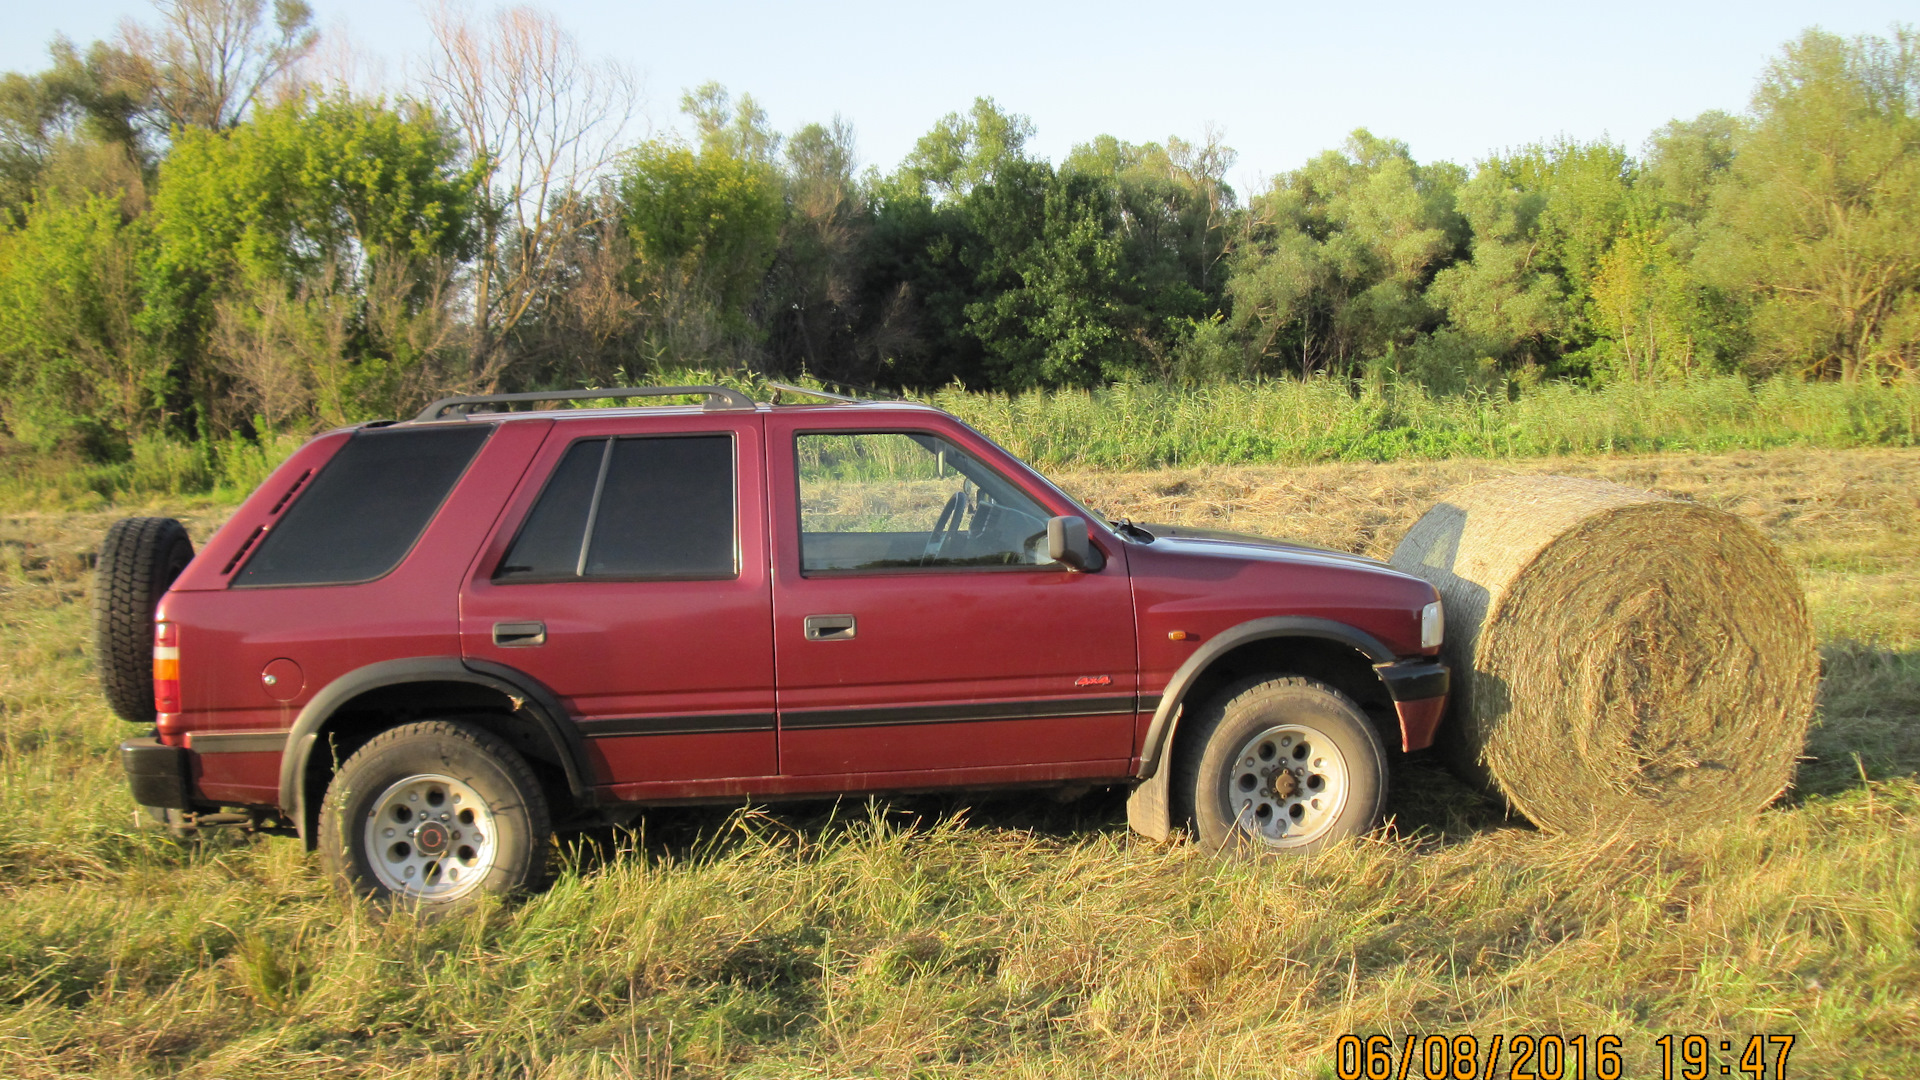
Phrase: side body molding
(1148, 811)
(536, 701)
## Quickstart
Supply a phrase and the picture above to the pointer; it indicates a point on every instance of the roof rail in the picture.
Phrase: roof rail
(719, 398)
(809, 391)
(850, 392)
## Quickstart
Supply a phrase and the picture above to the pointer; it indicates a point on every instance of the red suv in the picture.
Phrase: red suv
(424, 646)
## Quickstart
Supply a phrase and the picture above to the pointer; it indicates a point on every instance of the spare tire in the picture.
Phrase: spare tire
(138, 561)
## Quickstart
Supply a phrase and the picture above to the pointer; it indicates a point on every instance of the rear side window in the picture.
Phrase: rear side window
(366, 509)
(647, 509)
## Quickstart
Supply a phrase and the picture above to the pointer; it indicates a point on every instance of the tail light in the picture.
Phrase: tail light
(166, 667)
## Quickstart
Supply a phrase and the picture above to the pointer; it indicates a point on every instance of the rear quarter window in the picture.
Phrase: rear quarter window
(366, 509)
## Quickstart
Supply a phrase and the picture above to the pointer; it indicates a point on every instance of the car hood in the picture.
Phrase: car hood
(1188, 540)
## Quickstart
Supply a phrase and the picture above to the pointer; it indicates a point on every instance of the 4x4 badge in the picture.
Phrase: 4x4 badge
(1093, 680)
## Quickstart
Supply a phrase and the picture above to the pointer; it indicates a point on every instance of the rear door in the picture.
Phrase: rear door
(629, 575)
(337, 562)
(920, 626)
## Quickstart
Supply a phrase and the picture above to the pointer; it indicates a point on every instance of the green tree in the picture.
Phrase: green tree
(815, 306)
(75, 369)
(914, 276)
(705, 228)
(1056, 306)
(330, 181)
(1817, 225)
(1338, 254)
(1176, 214)
(729, 129)
(1647, 310)
(1685, 161)
(923, 265)
(313, 203)
(966, 149)
(76, 126)
(1542, 221)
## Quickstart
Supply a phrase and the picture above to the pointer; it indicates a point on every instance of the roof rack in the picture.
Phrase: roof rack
(809, 391)
(718, 398)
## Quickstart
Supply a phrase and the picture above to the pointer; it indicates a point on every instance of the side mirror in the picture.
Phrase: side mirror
(1068, 544)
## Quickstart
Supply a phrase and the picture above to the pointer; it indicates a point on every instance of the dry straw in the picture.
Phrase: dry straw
(1620, 659)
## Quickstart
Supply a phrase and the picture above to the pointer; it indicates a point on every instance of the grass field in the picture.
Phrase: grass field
(1132, 426)
(1012, 937)
(1293, 422)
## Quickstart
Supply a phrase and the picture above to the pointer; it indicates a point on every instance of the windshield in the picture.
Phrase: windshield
(1094, 517)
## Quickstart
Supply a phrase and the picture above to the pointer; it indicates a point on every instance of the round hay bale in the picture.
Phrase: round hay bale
(1620, 659)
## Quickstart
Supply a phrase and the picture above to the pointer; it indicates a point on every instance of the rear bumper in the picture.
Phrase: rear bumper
(1419, 691)
(157, 773)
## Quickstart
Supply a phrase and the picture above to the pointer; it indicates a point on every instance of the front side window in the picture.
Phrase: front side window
(898, 501)
(643, 509)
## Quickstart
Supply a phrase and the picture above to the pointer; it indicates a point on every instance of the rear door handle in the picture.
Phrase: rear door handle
(519, 635)
(829, 627)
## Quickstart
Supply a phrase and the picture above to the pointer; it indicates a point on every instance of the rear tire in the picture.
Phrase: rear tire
(139, 560)
(434, 815)
(1281, 765)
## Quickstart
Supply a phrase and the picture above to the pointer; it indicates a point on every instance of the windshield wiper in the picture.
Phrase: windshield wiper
(1127, 526)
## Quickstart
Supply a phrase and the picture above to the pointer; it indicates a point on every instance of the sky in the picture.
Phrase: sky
(1281, 81)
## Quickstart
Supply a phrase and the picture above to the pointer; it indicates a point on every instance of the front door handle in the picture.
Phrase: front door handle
(519, 635)
(829, 627)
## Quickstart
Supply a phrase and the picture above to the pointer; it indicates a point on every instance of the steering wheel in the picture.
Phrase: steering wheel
(950, 514)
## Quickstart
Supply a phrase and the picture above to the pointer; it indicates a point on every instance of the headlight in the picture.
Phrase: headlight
(1433, 625)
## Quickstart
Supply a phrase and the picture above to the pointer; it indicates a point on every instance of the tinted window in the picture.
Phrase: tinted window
(667, 510)
(366, 509)
(659, 507)
(891, 501)
(549, 544)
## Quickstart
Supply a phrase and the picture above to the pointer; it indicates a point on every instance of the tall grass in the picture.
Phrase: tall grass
(1135, 426)
(1144, 426)
(156, 467)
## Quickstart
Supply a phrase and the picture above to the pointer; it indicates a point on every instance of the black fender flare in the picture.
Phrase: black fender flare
(1148, 809)
(529, 695)
(1160, 732)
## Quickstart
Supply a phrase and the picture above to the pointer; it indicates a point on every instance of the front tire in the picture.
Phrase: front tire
(1282, 765)
(434, 814)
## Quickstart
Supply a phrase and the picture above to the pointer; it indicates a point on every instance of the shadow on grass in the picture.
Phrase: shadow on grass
(1868, 723)
(1426, 802)
(1867, 728)
(683, 833)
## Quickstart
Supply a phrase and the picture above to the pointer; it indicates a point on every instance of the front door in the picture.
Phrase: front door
(629, 575)
(919, 624)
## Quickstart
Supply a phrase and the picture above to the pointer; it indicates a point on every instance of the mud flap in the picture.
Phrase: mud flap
(1147, 812)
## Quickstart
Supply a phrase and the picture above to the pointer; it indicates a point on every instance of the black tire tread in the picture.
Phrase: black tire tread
(539, 814)
(1186, 766)
(139, 560)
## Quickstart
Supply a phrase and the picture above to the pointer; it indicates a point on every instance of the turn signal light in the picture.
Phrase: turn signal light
(1433, 625)
(166, 667)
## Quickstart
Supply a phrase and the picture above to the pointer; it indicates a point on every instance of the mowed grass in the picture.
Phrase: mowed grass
(1015, 936)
